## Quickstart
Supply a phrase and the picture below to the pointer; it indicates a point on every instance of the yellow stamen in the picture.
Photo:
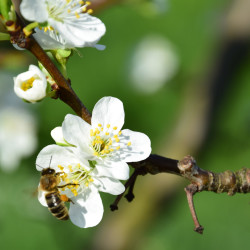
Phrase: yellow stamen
(99, 125)
(81, 2)
(28, 84)
(77, 15)
(115, 128)
(61, 167)
(120, 132)
(68, 10)
(117, 140)
(90, 11)
(88, 2)
(84, 8)
(117, 148)
(129, 143)
(108, 126)
(107, 133)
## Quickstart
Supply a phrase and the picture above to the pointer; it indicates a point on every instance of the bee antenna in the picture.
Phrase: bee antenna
(50, 161)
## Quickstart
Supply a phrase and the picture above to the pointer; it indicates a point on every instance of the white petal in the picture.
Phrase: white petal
(53, 155)
(134, 146)
(34, 10)
(109, 185)
(77, 132)
(57, 135)
(87, 210)
(41, 197)
(85, 31)
(108, 110)
(117, 170)
(48, 41)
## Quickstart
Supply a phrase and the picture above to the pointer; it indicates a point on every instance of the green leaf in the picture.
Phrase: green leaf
(4, 36)
(5, 8)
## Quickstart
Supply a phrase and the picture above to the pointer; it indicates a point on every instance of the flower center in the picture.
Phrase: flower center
(105, 140)
(28, 84)
(76, 178)
(59, 10)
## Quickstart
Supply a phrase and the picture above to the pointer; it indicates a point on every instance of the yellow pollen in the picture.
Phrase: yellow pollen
(84, 8)
(88, 2)
(91, 132)
(67, 180)
(115, 136)
(99, 125)
(51, 28)
(90, 11)
(111, 150)
(107, 133)
(61, 167)
(70, 168)
(106, 151)
(74, 192)
(90, 179)
(106, 147)
(108, 126)
(115, 128)
(117, 148)
(75, 182)
(68, 10)
(77, 15)
(28, 84)
(86, 184)
(81, 2)
(117, 140)
(96, 153)
(68, 1)
(98, 137)
(45, 29)
(78, 165)
(129, 143)
(101, 129)
(120, 132)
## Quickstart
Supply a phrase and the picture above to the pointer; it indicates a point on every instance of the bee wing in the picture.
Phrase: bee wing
(41, 196)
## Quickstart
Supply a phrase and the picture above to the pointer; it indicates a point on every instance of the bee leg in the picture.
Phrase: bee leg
(69, 184)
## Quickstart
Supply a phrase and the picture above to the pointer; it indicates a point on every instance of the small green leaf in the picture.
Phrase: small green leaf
(5, 8)
(4, 36)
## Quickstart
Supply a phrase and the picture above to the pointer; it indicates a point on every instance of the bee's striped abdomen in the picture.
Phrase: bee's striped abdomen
(56, 206)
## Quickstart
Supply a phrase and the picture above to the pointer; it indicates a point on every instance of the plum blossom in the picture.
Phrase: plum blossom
(103, 141)
(31, 85)
(82, 183)
(63, 23)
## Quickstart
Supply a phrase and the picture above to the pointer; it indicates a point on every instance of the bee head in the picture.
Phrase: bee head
(46, 171)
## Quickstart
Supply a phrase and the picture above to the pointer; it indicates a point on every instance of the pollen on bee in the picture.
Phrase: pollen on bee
(64, 197)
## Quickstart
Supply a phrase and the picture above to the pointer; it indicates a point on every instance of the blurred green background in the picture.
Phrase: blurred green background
(202, 110)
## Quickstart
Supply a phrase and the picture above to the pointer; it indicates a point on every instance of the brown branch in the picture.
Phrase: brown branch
(201, 180)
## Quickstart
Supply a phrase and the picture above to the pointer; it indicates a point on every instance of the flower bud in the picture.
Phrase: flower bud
(31, 85)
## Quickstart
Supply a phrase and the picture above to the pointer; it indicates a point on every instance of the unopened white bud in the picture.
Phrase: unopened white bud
(31, 85)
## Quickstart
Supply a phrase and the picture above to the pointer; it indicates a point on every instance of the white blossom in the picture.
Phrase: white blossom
(153, 64)
(69, 23)
(86, 209)
(103, 141)
(31, 85)
(17, 136)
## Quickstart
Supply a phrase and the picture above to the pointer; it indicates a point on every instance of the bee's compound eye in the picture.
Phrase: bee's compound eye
(48, 171)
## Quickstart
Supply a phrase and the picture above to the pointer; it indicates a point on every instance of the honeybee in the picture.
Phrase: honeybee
(49, 183)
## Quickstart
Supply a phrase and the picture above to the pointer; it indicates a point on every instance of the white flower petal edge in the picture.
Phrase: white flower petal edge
(34, 10)
(31, 85)
(87, 210)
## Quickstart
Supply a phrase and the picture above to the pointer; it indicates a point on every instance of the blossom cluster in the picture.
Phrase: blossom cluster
(86, 158)
(93, 158)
